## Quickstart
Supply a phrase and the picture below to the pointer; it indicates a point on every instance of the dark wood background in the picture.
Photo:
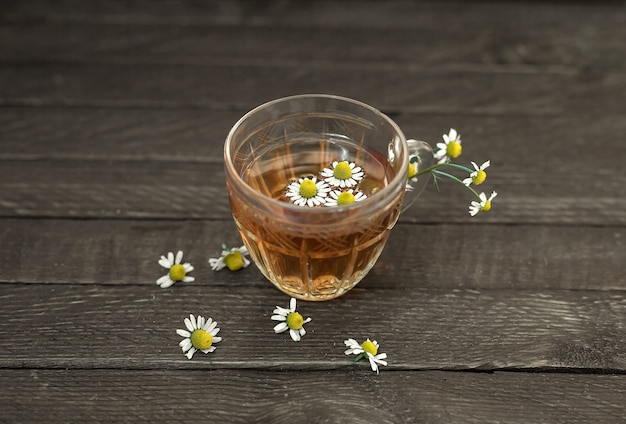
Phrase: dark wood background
(112, 120)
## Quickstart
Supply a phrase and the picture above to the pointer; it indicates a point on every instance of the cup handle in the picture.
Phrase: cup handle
(421, 156)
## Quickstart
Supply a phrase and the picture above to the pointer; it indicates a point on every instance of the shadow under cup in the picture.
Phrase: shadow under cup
(320, 252)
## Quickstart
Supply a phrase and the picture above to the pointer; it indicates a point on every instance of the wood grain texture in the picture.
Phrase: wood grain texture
(133, 326)
(354, 395)
(427, 90)
(417, 256)
(112, 120)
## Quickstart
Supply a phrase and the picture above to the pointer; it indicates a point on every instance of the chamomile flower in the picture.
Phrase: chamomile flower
(451, 147)
(411, 172)
(339, 197)
(484, 204)
(307, 192)
(200, 335)
(233, 259)
(343, 174)
(478, 176)
(369, 349)
(290, 320)
(177, 271)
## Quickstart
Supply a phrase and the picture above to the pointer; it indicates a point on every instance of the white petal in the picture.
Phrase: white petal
(373, 364)
(210, 327)
(188, 267)
(179, 256)
(214, 331)
(278, 318)
(302, 331)
(217, 264)
(163, 279)
(188, 279)
(281, 311)
(164, 262)
(292, 304)
(294, 335)
(217, 339)
(189, 325)
(191, 352)
(167, 283)
(183, 333)
(170, 257)
(201, 321)
(307, 320)
(279, 328)
(185, 344)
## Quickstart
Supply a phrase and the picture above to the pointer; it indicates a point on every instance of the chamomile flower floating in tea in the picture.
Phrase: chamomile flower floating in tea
(368, 349)
(343, 174)
(176, 270)
(451, 147)
(340, 197)
(308, 192)
(200, 335)
(479, 175)
(234, 259)
(290, 320)
(484, 205)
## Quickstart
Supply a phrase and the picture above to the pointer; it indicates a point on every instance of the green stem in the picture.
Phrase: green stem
(439, 165)
(454, 178)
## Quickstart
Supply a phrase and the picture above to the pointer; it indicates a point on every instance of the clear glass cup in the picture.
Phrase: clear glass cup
(319, 252)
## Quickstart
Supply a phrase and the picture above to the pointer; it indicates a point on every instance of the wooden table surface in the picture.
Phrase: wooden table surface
(112, 121)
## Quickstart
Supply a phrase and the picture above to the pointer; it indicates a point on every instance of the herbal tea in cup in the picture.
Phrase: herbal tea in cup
(316, 183)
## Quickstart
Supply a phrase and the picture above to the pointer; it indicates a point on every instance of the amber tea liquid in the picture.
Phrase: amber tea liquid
(331, 248)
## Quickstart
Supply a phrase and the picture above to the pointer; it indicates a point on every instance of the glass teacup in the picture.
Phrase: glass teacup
(316, 183)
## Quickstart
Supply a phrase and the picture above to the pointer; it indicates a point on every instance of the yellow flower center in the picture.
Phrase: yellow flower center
(411, 171)
(294, 320)
(201, 340)
(177, 272)
(369, 347)
(487, 207)
(345, 198)
(234, 261)
(480, 177)
(342, 171)
(454, 149)
(308, 189)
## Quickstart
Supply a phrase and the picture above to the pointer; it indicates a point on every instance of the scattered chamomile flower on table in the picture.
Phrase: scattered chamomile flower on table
(483, 206)
(339, 197)
(343, 174)
(369, 349)
(290, 320)
(200, 335)
(479, 175)
(177, 271)
(234, 259)
(451, 147)
(307, 192)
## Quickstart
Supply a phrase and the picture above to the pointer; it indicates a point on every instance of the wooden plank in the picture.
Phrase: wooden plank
(133, 327)
(129, 189)
(499, 40)
(287, 397)
(421, 90)
(198, 135)
(417, 256)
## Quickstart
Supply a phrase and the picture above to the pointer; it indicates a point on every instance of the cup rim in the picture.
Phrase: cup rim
(249, 192)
